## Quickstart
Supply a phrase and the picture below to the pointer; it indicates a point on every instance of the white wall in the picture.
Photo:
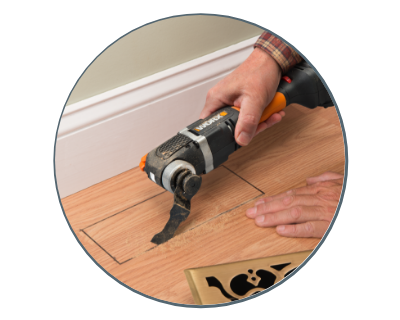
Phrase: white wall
(107, 134)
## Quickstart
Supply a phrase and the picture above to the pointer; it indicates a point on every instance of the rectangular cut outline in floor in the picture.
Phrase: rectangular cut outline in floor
(84, 230)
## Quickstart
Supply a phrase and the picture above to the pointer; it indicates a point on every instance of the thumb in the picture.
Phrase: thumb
(213, 102)
(249, 117)
(324, 177)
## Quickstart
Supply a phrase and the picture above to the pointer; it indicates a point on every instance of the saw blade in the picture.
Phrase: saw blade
(179, 212)
(186, 186)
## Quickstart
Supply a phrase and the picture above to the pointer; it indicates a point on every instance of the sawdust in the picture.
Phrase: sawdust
(189, 237)
(182, 240)
(223, 221)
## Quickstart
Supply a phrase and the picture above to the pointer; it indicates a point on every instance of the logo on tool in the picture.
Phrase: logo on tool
(212, 120)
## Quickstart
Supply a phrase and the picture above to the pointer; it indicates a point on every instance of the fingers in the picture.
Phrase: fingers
(311, 189)
(298, 191)
(280, 204)
(324, 177)
(247, 126)
(297, 214)
(310, 229)
(213, 103)
(301, 212)
(274, 119)
(249, 117)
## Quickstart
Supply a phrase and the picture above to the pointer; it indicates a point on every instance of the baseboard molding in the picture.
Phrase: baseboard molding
(107, 134)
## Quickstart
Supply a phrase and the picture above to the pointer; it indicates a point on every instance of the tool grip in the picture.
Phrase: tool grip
(277, 104)
(300, 85)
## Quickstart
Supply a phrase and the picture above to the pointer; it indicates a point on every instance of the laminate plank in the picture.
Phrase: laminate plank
(299, 147)
(330, 115)
(119, 216)
(229, 237)
(127, 234)
(108, 197)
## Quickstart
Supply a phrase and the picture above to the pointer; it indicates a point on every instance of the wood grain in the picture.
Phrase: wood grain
(301, 146)
(115, 219)
(128, 233)
(230, 237)
(109, 197)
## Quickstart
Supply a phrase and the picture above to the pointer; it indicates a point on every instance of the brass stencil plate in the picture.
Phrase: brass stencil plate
(237, 280)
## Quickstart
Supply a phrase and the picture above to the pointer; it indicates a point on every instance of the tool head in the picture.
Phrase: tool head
(201, 147)
(170, 172)
(176, 165)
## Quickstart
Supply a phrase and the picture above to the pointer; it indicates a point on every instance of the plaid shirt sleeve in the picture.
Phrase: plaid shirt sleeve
(284, 55)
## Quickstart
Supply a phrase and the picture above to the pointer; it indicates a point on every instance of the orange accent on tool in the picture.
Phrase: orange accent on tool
(143, 162)
(277, 104)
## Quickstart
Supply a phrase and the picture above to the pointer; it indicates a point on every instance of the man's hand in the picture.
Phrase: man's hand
(302, 212)
(250, 87)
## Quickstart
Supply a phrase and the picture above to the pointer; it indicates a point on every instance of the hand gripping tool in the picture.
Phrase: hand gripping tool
(176, 165)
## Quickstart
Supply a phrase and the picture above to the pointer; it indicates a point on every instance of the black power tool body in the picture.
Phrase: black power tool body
(176, 165)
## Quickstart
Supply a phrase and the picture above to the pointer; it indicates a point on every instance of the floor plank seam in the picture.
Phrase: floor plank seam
(158, 194)
(243, 179)
(101, 247)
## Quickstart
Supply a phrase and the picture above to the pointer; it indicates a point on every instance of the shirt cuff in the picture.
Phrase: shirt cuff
(284, 55)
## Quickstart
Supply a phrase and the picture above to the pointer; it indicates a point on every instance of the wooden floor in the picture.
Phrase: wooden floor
(116, 219)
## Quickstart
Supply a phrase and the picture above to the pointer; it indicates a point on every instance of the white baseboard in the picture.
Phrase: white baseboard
(107, 134)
